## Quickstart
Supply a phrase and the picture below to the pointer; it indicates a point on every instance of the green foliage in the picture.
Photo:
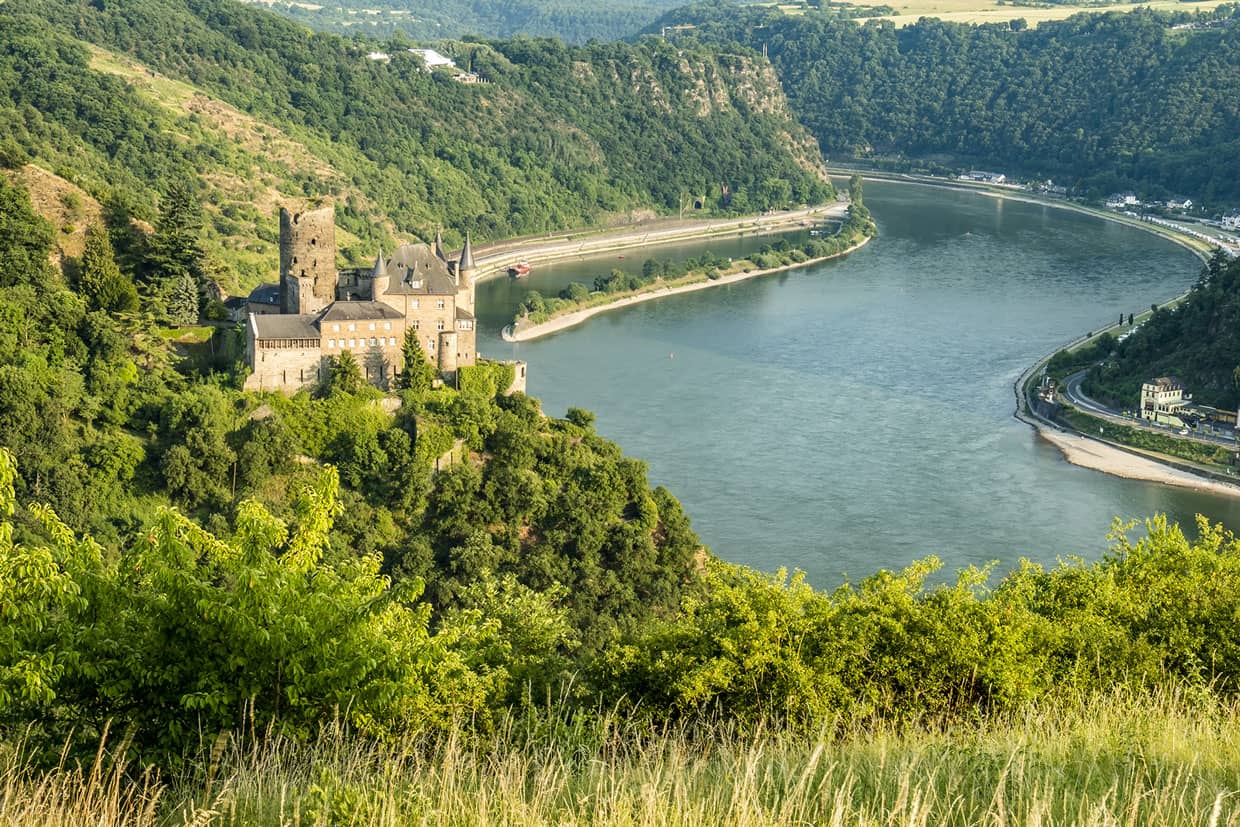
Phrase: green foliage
(265, 630)
(100, 279)
(175, 251)
(418, 373)
(1066, 362)
(25, 240)
(344, 375)
(1197, 341)
(1099, 102)
(486, 379)
(617, 285)
(1199, 452)
(579, 21)
(751, 648)
(558, 137)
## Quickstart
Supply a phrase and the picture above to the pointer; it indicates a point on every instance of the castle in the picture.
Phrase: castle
(323, 312)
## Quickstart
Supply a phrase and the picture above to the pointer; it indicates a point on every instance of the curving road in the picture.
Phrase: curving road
(1073, 393)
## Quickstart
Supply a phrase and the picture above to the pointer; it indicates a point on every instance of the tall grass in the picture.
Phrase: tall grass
(1168, 759)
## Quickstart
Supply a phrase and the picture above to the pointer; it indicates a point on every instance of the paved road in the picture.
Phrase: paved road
(1072, 391)
(661, 231)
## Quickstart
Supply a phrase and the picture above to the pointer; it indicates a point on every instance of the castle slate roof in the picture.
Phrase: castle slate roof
(467, 256)
(462, 313)
(417, 264)
(265, 294)
(357, 311)
(284, 326)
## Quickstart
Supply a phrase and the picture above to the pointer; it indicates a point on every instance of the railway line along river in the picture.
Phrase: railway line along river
(857, 414)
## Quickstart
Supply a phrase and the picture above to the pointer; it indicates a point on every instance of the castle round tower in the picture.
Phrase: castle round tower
(447, 355)
(307, 260)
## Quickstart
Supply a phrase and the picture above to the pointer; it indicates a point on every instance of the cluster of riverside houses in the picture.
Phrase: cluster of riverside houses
(316, 312)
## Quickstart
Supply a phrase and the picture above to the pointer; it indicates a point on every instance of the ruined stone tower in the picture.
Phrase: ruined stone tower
(307, 260)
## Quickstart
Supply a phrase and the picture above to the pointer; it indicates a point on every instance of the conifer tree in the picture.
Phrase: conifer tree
(176, 248)
(181, 299)
(345, 375)
(418, 372)
(101, 281)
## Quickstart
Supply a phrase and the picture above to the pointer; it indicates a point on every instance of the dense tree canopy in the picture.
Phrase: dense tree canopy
(1101, 102)
(1197, 340)
(557, 137)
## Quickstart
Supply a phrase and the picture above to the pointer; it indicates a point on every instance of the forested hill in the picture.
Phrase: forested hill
(124, 97)
(1106, 102)
(1198, 341)
(575, 21)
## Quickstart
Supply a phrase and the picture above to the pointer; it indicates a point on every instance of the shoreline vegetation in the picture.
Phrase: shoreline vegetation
(494, 259)
(576, 303)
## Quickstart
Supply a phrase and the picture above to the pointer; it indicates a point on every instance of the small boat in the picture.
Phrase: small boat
(519, 270)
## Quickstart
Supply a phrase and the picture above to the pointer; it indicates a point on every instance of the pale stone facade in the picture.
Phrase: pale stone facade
(1162, 399)
(365, 311)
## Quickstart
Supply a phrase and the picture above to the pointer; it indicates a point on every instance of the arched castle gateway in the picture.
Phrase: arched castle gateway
(366, 311)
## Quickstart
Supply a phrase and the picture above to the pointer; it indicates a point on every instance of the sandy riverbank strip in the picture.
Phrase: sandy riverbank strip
(576, 317)
(1090, 453)
(493, 259)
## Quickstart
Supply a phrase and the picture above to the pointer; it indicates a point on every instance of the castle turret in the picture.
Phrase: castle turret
(379, 278)
(465, 272)
(307, 260)
(439, 250)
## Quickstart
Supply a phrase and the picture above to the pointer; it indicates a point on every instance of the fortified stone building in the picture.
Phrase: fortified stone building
(366, 311)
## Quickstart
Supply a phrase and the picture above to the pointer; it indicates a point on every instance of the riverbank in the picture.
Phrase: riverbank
(576, 317)
(1090, 453)
(493, 259)
(1013, 193)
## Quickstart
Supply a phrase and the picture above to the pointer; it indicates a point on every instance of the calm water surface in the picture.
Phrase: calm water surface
(858, 414)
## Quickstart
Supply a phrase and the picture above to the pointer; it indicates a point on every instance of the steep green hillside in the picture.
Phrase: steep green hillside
(1198, 341)
(259, 110)
(1100, 102)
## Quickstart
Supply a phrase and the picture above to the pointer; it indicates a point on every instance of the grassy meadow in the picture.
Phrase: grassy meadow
(1170, 758)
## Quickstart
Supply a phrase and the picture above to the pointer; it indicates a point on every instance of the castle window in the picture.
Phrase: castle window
(439, 305)
(415, 324)
(294, 259)
(430, 343)
(314, 242)
(335, 328)
(439, 325)
(372, 341)
(387, 325)
(353, 343)
(391, 340)
(415, 304)
(417, 285)
(331, 343)
(352, 327)
(372, 325)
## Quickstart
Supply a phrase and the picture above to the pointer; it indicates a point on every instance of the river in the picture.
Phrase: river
(857, 414)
